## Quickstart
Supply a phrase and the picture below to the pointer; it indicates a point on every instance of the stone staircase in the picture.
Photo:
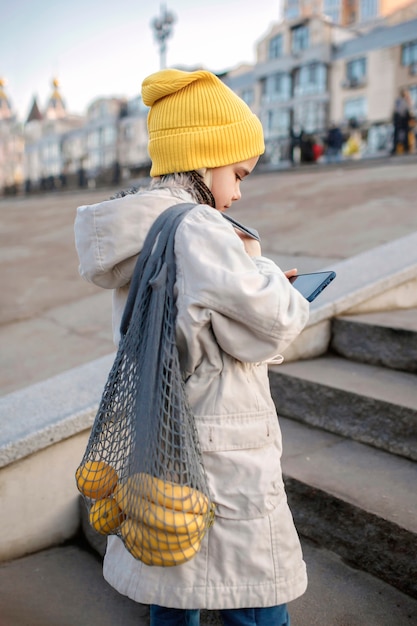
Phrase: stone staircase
(349, 423)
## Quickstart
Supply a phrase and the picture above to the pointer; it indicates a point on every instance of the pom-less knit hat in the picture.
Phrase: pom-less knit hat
(196, 121)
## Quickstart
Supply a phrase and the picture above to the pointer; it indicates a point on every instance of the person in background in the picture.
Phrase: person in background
(334, 143)
(296, 133)
(236, 311)
(353, 147)
(411, 122)
(306, 146)
(401, 122)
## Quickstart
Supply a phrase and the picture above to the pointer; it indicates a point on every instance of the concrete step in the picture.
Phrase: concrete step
(64, 586)
(354, 500)
(388, 338)
(367, 403)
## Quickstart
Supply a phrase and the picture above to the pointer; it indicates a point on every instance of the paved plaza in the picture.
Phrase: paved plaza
(51, 320)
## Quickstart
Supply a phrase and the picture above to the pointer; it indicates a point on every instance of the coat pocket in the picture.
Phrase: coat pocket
(242, 460)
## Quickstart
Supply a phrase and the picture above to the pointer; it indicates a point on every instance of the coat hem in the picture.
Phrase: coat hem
(215, 598)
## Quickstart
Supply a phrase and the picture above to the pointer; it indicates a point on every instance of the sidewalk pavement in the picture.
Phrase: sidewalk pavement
(64, 586)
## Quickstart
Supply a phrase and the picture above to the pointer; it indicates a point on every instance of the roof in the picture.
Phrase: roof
(34, 113)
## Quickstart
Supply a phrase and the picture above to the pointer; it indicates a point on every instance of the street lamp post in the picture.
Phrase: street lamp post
(162, 27)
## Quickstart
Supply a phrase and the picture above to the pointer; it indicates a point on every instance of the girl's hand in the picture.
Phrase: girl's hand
(252, 246)
(291, 273)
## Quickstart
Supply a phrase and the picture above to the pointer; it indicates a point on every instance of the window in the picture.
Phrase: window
(311, 78)
(310, 116)
(275, 47)
(136, 106)
(93, 160)
(93, 140)
(277, 123)
(128, 132)
(109, 135)
(248, 96)
(50, 151)
(413, 96)
(331, 8)
(368, 9)
(300, 38)
(108, 158)
(292, 9)
(276, 87)
(409, 53)
(356, 71)
(355, 108)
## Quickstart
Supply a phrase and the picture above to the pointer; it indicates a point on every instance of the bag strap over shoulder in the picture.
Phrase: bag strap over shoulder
(157, 249)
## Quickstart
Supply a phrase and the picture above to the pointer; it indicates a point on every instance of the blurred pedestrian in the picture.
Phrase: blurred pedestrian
(401, 122)
(296, 133)
(334, 143)
(306, 147)
(352, 149)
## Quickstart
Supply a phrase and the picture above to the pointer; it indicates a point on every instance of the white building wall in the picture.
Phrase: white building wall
(382, 63)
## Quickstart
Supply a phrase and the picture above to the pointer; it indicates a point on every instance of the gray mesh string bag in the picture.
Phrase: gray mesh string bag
(142, 475)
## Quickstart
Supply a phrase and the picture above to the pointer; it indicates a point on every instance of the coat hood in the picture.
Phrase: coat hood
(109, 235)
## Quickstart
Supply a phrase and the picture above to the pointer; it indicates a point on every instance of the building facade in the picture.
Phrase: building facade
(368, 73)
(12, 145)
(44, 133)
(311, 71)
(103, 147)
(344, 12)
(292, 75)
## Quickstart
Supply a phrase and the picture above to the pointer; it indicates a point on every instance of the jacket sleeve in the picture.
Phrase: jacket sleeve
(253, 309)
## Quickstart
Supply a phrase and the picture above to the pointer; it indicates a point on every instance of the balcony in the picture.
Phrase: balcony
(354, 82)
(412, 69)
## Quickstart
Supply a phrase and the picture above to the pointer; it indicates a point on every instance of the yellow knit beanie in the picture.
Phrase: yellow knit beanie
(196, 121)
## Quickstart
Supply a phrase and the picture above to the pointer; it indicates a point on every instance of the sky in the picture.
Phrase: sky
(99, 49)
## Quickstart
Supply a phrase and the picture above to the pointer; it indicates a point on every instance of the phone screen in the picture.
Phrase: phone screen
(310, 285)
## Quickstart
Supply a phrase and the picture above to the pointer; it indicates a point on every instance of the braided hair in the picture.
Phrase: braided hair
(192, 182)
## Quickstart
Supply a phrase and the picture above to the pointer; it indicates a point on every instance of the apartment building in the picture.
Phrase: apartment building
(101, 136)
(133, 138)
(44, 132)
(105, 145)
(367, 75)
(11, 144)
(291, 88)
(344, 12)
(311, 72)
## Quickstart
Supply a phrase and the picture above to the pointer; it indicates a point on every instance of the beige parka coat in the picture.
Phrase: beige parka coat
(235, 313)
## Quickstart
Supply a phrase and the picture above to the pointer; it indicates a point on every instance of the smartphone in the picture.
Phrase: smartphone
(310, 285)
(250, 232)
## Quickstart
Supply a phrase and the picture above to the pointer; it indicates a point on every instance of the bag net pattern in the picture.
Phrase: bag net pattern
(142, 475)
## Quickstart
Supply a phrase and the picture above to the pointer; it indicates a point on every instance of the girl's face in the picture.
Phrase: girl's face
(225, 182)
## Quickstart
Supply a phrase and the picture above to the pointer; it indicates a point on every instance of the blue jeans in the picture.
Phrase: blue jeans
(333, 155)
(270, 616)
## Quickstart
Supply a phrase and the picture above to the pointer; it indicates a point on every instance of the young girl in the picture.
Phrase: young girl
(236, 310)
